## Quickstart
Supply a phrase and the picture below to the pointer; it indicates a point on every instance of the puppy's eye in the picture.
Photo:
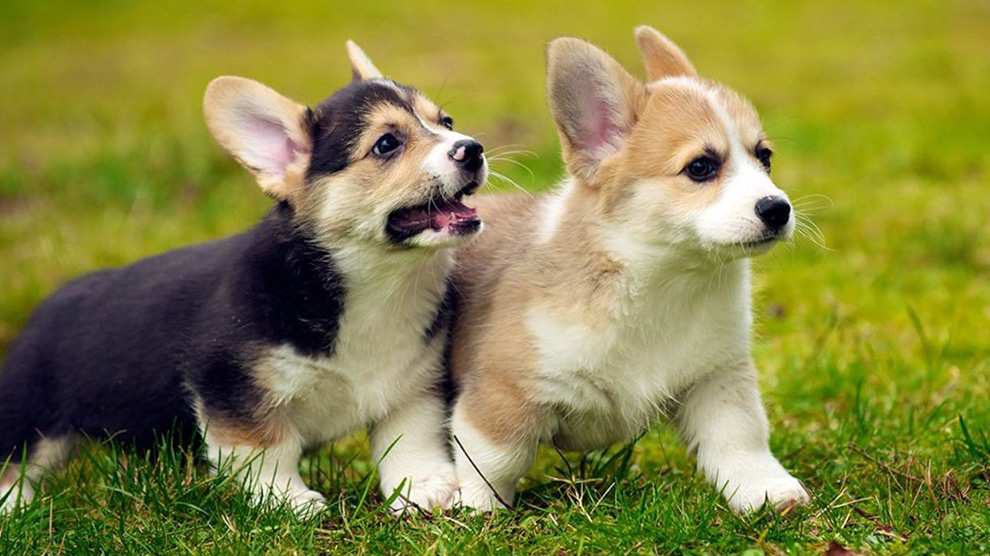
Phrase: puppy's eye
(702, 168)
(447, 122)
(386, 144)
(764, 154)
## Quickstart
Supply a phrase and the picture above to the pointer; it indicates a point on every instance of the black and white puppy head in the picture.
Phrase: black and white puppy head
(376, 162)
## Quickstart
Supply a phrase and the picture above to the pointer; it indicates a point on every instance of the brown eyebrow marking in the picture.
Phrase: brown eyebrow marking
(425, 107)
(712, 152)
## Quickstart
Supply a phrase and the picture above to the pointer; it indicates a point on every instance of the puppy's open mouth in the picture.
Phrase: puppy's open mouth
(438, 214)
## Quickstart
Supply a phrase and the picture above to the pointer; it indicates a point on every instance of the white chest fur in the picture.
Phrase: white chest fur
(381, 356)
(612, 379)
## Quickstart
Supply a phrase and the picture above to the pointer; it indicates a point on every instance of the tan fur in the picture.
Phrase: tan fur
(235, 433)
(430, 112)
(361, 65)
(661, 56)
(492, 351)
(480, 274)
(506, 272)
(741, 112)
(264, 429)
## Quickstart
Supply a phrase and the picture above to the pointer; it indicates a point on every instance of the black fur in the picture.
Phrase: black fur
(116, 351)
(445, 321)
(339, 120)
(445, 314)
(119, 351)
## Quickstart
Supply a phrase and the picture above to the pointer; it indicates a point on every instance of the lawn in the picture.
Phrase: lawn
(873, 340)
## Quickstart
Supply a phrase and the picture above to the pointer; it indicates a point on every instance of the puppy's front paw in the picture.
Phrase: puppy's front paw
(306, 503)
(426, 492)
(478, 496)
(778, 491)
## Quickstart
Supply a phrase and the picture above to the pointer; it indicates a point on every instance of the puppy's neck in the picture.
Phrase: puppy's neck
(362, 263)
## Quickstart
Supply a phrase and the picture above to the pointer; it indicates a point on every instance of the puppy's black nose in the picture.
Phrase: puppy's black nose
(467, 154)
(774, 212)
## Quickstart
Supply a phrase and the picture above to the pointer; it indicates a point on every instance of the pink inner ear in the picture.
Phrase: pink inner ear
(599, 130)
(268, 146)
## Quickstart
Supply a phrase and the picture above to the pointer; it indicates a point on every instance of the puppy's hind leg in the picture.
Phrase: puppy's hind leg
(19, 477)
(495, 438)
(266, 464)
(31, 440)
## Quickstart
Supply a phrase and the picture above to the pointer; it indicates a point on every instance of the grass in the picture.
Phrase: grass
(874, 351)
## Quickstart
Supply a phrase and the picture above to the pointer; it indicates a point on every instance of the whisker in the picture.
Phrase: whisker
(508, 153)
(501, 156)
(809, 230)
(515, 162)
(813, 202)
(813, 196)
(510, 181)
(810, 225)
(496, 150)
(809, 209)
(814, 241)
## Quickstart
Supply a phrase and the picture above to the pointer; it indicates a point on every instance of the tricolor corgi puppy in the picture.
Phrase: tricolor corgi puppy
(327, 316)
(586, 314)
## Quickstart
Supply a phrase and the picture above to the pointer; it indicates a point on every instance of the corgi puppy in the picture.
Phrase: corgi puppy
(584, 315)
(328, 315)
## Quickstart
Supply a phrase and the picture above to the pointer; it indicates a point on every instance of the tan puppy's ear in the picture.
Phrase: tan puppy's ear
(361, 65)
(594, 102)
(266, 132)
(661, 56)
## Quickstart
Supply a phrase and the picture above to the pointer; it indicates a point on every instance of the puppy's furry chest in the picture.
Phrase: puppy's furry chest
(610, 381)
(382, 355)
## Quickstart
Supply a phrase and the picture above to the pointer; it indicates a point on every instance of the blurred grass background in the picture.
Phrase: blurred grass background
(872, 350)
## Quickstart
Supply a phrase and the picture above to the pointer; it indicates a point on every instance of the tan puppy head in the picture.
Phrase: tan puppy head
(375, 162)
(676, 162)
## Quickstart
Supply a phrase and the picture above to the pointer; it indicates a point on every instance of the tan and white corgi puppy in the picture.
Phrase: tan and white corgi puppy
(624, 296)
(327, 316)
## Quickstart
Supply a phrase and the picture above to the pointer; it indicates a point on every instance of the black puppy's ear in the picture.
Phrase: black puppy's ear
(361, 65)
(265, 131)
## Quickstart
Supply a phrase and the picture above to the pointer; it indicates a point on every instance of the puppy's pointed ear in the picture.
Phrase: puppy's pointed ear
(266, 132)
(661, 56)
(361, 65)
(594, 102)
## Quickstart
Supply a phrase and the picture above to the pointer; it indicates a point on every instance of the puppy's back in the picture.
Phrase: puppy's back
(61, 375)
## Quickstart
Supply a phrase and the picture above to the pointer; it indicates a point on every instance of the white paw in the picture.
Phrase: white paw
(436, 490)
(9, 504)
(478, 496)
(306, 503)
(780, 491)
(15, 497)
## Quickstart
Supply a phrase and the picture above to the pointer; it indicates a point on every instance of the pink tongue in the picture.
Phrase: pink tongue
(451, 214)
